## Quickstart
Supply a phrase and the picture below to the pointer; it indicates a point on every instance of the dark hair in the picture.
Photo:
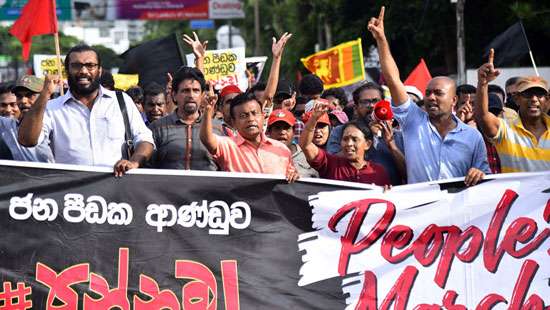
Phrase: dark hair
(6, 88)
(367, 133)
(260, 86)
(188, 73)
(465, 89)
(369, 85)
(107, 80)
(80, 48)
(311, 85)
(152, 89)
(241, 99)
(136, 93)
(511, 81)
(338, 93)
(494, 88)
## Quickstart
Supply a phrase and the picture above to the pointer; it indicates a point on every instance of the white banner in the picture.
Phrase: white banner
(224, 67)
(225, 9)
(480, 248)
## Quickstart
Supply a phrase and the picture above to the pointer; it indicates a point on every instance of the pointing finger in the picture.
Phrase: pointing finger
(491, 56)
(381, 15)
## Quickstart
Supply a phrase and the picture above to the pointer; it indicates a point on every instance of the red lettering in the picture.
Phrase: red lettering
(428, 245)
(117, 297)
(526, 275)
(398, 294)
(59, 284)
(165, 299)
(449, 301)
(360, 209)
(397, 237)
(230, 281)
(196, 293)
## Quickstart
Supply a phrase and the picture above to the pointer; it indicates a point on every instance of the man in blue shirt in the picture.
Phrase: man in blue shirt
(437, 144)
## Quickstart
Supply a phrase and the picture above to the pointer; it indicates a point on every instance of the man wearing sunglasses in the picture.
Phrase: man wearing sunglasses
(523, 144)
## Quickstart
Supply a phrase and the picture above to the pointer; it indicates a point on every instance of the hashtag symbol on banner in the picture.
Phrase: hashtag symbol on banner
(15, 299)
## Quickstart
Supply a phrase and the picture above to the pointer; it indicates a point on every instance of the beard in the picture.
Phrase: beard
(82, 90)
(190, 108)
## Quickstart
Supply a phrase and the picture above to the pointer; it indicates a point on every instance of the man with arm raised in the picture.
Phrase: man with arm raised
(437, 144)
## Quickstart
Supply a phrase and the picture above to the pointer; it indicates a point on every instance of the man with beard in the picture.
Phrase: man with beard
(177, 134)
(523, 144)
(86, 125)
(250, 150)
(437, 144)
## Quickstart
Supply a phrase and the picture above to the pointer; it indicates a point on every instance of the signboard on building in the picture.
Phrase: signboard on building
(225, 9)
(11, 9)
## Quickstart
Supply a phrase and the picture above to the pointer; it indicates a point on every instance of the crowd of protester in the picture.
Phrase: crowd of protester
(276, 128)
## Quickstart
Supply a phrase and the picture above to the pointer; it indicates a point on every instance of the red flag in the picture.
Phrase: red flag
(37, 18)
(419, 77)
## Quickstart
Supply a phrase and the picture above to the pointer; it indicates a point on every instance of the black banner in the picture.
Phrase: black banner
(75, 239)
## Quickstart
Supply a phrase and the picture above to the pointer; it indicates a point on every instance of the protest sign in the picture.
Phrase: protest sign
(224, 67)
(47, 64)
(125, 81)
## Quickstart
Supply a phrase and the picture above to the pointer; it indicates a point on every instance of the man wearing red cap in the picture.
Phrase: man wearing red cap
(523, 144)
(280, 127)
(226, 95)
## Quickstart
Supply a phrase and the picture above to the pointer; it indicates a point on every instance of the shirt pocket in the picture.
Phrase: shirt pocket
(110, 129)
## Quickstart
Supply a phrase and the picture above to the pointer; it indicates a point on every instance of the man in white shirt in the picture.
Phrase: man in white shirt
(86, 125)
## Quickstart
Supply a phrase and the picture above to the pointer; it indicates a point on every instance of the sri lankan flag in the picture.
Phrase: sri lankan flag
(339, 66)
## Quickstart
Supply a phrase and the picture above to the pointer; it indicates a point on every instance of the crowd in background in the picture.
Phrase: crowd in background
(276, 128)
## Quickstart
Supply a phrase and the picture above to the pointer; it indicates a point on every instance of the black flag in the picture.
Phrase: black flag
(510, 46)
(153, 59)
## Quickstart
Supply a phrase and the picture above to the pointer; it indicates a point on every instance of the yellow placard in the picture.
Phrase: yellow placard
(125, 81)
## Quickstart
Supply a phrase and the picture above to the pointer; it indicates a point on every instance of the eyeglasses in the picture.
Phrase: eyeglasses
(368, 101)
(529, 93)
(77, 66)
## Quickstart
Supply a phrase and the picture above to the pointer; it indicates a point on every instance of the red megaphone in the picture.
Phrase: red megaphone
(382, 111)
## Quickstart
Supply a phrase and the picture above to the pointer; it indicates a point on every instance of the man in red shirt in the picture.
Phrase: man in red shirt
(356, 140)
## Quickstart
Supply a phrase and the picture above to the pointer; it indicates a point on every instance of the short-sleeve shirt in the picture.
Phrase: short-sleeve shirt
(519, 150)
(338, 168)
(430, 157)
(179, 145)
(236, 154)
(93, 137)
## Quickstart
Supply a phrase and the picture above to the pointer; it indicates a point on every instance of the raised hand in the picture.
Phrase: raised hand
(465, 112)
(199, 49)
(50, 83)
(320, 107)
(209, 102)
(487, 73)
(278, 46)
(376, 25)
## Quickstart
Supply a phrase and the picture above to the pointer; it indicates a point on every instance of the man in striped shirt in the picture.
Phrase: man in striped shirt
(523, 144)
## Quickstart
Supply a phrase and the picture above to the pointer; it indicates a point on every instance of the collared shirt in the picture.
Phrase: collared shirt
(519, 150)
(430, 157)
(338, 168)
(9, 130)
(95, 136)
(179, 145)
(379, 152)
(238, 155)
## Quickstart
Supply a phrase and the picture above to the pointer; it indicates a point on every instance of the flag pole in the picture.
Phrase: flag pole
(57, 49)
(529, 48)
(58, 57)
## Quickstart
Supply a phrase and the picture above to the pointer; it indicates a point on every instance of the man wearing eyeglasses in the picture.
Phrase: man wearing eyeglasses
(86, 125)
(437, 144)
(523, 144)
